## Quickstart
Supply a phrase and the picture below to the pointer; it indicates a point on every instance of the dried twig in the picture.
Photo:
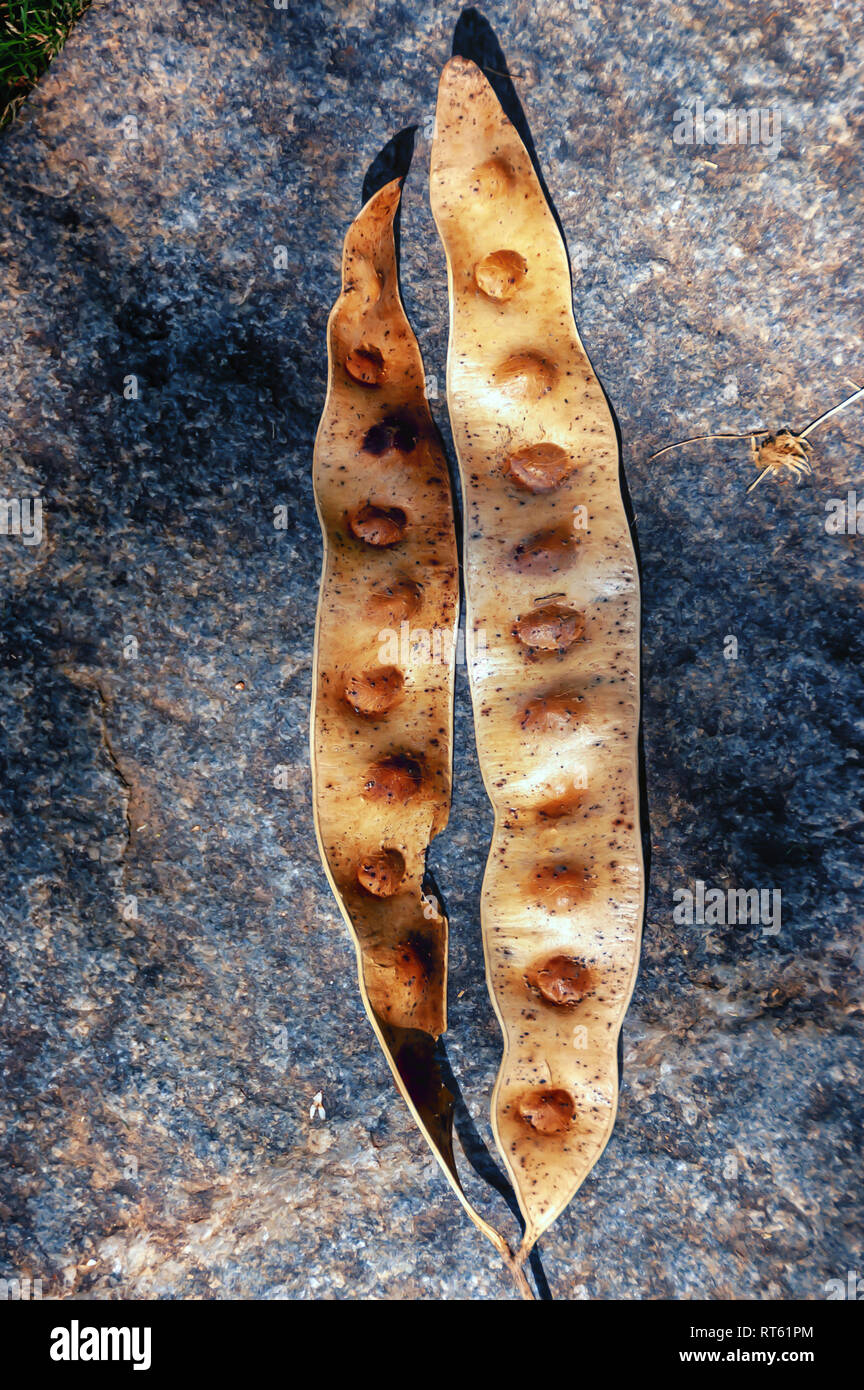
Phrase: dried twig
(777, 452)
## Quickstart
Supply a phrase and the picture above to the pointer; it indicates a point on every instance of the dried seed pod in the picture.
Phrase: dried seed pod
(537, 446)
(382, 733)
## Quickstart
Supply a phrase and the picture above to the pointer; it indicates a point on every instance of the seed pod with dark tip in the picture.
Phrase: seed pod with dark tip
(558, 691)
(381, 738)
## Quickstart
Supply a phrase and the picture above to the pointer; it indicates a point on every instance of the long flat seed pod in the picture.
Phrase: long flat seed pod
(382, 713)
(553, 607)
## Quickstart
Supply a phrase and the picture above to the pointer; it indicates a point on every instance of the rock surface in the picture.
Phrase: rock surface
(177, 983)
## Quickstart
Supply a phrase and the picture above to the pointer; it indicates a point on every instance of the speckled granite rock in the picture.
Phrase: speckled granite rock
(177, 982)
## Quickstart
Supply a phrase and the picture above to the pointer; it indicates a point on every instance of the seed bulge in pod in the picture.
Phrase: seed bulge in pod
(375, 691)
(552, 628)
(546, 552)
(560, 886)
(554, 713)
(395, 603)
(561, 980)
(500, 275)
(379, 526)
(548, 1111)
(366, 366)
(539, 467)
(381, 872)
(393, 779)
(396, 432)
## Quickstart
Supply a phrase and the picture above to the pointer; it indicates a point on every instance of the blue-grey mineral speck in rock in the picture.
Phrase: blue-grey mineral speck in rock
(177, 982)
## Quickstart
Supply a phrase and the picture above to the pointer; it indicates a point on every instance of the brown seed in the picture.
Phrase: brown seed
(559, 886)
(381, 526)
(501, 274)
(393, 779)
(376, 691)
(540, 467)
(365, 365)
(551, 628)
(395, 603)
(561, 980)
(381, 872)
(546, 552)
(553, 713)
(547, 1111)
(526, 375)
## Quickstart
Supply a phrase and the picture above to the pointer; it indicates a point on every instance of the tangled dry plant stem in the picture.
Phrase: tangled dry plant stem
(777, 452)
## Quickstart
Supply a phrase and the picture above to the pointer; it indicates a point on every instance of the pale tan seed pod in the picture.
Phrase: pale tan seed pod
(382, 714)
(555, 682)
